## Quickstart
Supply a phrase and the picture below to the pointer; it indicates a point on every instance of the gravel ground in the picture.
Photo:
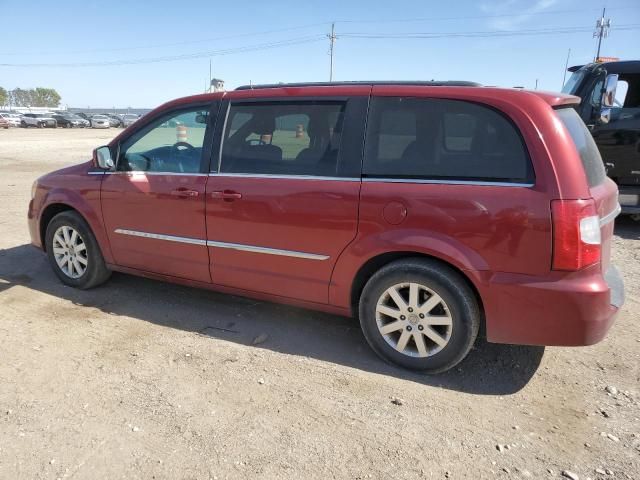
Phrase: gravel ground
(142, 379)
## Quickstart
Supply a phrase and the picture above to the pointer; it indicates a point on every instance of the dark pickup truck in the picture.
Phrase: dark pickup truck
(610, 107)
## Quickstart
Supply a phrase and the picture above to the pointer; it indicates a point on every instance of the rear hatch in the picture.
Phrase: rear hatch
(602, 189)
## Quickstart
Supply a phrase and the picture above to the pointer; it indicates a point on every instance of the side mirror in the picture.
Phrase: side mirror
(102, 158)
(605, 116)
(609, 91)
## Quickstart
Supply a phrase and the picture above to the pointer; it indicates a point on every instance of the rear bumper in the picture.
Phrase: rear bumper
(568, 309)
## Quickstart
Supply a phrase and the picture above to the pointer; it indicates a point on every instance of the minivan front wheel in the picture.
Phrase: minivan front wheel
(74, 253)
(419, 314)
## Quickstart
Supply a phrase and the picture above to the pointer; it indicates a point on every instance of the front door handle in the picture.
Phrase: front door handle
(184, 192)
(227, 195)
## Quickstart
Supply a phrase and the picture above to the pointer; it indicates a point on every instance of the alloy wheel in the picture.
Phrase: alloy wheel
(414, 319)
(70, 252)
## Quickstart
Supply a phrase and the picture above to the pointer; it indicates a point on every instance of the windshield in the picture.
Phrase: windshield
(574, 82)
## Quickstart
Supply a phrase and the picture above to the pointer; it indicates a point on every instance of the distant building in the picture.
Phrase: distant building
(217, 85)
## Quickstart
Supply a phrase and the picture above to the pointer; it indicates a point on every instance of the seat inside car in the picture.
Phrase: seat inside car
(324, 141)
(256, 157)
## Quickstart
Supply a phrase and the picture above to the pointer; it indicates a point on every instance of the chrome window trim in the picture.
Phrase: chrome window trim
(448, 182)
(611, 216)
(142, 172)
(232, 246)
(267, 251)
(158, 236)
(285, 177)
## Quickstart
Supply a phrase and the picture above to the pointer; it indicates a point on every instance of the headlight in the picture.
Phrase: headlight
(34, 187)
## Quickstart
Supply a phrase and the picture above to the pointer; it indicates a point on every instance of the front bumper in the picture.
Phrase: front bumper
(565, 309)
(629, 198)
(34, 225)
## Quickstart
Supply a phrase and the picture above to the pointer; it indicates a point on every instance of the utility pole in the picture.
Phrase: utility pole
(332, 41)
(601, 31)
(566, 66)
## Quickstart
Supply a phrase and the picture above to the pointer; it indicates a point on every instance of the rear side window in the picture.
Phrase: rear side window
(443, 140)
(589, 154)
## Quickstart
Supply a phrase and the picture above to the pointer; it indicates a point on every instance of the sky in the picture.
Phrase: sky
(142, 53)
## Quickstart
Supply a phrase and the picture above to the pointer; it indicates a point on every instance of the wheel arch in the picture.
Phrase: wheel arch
(47, 215)
(58, 202)
(375, 263)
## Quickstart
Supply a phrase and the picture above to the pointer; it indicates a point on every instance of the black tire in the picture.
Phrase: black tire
(450, 286)
(96, 271)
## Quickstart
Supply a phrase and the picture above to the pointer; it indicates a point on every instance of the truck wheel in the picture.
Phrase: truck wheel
(419, 314)
(74, 253)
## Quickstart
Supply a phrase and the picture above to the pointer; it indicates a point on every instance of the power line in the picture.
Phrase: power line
(173, 44)
(298, 27)
(171, 58)
(318, 37)
(488, 33)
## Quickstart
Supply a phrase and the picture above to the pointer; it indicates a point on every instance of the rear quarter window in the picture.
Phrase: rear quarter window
(438, 139)
(587, 149)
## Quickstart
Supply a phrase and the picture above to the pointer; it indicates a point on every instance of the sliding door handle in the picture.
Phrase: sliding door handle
(228, 195)
(184, 192)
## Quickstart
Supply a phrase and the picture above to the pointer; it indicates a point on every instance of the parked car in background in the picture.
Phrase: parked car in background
(114, 120)
(12, 118)
(69, 120)
(610, 107)
(129, 119)
(430, 211)
(39, 120)
(83, 115)
(99, 121)
(4, 123)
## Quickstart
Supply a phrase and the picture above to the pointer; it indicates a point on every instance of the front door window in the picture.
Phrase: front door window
(171, 144)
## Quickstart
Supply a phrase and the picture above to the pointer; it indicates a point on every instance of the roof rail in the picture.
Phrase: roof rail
(432, 83)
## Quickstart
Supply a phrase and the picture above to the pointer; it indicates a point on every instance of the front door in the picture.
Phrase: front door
(619, 139)
(282, 201)
(153, 204)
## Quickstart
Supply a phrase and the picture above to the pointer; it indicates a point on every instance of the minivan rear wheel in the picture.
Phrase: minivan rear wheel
(74, 253)
(419, 314)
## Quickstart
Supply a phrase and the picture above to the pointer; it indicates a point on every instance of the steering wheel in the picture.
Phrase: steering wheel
(183, 151)
(255, 142)
(182, 147)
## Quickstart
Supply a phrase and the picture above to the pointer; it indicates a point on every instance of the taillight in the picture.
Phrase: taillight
(576, 234)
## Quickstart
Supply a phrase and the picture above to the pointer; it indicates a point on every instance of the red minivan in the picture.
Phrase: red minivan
(426, 209)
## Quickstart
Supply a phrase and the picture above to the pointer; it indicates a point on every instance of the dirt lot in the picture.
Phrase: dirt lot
(141, 379)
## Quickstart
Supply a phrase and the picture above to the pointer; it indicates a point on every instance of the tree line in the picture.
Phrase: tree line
(31, 97)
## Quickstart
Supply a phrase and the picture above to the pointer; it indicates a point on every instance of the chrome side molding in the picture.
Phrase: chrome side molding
(267, 251)
(158, 236)
(232, 246)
